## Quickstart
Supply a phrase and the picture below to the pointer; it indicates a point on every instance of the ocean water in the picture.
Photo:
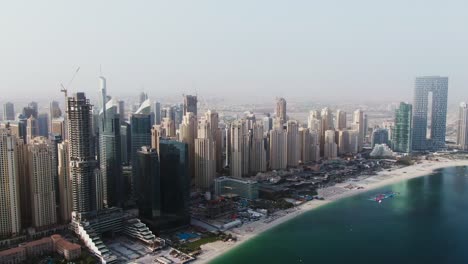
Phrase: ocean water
(426, 223)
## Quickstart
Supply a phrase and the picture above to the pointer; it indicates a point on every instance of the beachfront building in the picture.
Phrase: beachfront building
(402, 131)
(227, 186)
(462, 135)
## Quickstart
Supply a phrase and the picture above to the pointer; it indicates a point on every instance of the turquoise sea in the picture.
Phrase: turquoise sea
(426, 223)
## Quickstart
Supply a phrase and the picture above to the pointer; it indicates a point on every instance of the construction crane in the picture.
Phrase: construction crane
(65, 89)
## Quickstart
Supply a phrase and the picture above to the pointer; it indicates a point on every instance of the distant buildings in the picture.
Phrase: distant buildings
(278, 149)
(281, 111)
(8, 111)
(359, 126)
(462, 131)
(205, 156)
(190, 104)
(429, 113)
(293, 144)
(330, 146)
(341, 120)
(402, 132)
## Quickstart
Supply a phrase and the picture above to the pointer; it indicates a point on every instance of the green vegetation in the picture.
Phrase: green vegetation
(195, 245)
(405, 161)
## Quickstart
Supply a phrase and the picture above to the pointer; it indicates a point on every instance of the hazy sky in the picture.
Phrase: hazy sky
(312, 49)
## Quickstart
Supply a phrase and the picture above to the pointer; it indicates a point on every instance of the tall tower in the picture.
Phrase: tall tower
(212, 117)
(42, 173)
(239, 159)
(257, 149)
(157, 113)
(278, 149)
(8, 111)
(281, 110)
(402, 135)
(294, 149)
(340, 119)
(82, 159)
(190, 104)
(330, 151)
(358, 121)
(462, 135)
(188, 134)
(10, 217)
(430, 113)
(64, 183)
(205, 159)
(32, 129)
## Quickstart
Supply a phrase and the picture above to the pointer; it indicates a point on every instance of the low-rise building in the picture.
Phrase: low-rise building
(225, 186)
(67, 249)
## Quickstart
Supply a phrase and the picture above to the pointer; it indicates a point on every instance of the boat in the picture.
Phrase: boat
(382, 196)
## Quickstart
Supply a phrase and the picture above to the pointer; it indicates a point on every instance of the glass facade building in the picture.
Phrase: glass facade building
(402, 134)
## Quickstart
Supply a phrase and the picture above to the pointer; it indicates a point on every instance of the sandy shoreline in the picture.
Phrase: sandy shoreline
(383, 178)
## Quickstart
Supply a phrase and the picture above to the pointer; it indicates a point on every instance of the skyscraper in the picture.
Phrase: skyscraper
(121, 111)
(305, 144)
(379, 136)
(358, 122)
(82, 159)
(32, 129)
(257, 146)
(157, 133)
(64, 184)
(8, 111)
(42, 173)
(43, 125)
(429, 113)
(281, 110)
(239, 160)
(205, 156)
(157, 113)
(212, 117)
(149, 187)
(188, 134)
(54, 110)
(402, 131)
(175, 184)
(340, 119)
(140, 136)
(10, 218)
(462, 131)
(293, 145)
(330, 151)
(278, 149)
(190, 104)
(110, 160)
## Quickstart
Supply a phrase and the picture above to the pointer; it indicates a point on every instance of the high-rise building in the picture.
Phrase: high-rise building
(340, 119)
(143, 97)
(54, 110)
(205, 157)
(379, 136)
(315, 146)
(175, 184)
(31, 110)
(212, 117)
(293, 145)
(43, 124)
(462, 131)
(305, 144)
(267, 123)
(157, 132)
(125, 142)
(326, 117)
(58, 127)
(42, 173)
(64, 184)
(21, 155)
(278, 149)
(330, 151)
(10, 217)
(343, 142)
(170, 127)
(239, 149)
(121, 111)
(429, 113)
(190, 104)
(83, 164)
(188, 134)
(281, 111)
(258, 162)
(149, 187)
(157, 113)
(358, 122)
(32, 129)
(8, 111)
(140, 136)
(402, 132)
(110, 162)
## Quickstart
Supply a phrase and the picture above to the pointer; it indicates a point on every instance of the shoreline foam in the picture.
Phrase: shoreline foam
(333, 193)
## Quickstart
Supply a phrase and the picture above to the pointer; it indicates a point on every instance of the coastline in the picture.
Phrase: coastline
(331, 194)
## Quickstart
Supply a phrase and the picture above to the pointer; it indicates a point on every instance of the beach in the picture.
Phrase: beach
(330, 194)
